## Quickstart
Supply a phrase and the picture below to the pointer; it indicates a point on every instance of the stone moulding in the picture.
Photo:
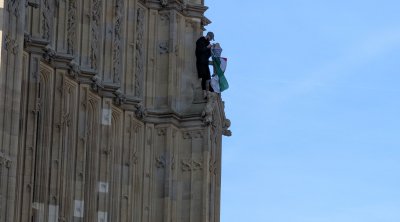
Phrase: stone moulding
(183, 6)
(112, 90)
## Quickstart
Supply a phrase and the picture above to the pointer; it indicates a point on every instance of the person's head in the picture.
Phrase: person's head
(210, 36)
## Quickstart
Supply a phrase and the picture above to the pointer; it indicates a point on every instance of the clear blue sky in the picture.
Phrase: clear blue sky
(314, 101)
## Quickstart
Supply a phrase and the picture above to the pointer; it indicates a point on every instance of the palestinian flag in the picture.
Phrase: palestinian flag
(219, 67)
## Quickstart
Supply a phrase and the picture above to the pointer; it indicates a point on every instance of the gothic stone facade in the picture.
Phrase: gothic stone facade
(101, 114)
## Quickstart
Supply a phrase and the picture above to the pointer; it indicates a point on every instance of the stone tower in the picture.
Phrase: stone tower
(101, 113)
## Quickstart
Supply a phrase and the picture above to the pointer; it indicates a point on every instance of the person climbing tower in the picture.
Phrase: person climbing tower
(203, 53)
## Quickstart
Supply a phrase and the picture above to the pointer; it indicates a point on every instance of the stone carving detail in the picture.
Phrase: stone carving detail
(225, 126)
(31, 3)
(162, 131)
(71, 25)
(46, 14)
(49, 54)
(193, 134)
(95, 23)
(140, 111)
(74, 70)
(5, 162)
(207, 113)
(120, 98)
(184, 4)
(37, 108)
(117, 40)
(163, 48)
(27, 39)
(164, 2)
(13, 7)
(165, 18)
(10, 44)
(213, 167)
(139, 57)
(160, 161)
(66, 120)
(97, 83)
(191, 165)
(134, 158)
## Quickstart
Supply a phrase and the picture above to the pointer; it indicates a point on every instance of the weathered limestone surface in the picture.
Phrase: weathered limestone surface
(101, 114)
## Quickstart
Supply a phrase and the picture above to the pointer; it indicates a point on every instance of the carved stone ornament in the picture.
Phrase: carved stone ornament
(140, 111)
(193, 134)
(139, 55)
(49, 54)
(160, 161)
(46, 15)
(31, 3)
(27, 39)
(97, 83)
(225, 126)
(117, 40)
(164, 2)
(5, 162)
(213, 167)
(191, 165)
(74, 70)
(71, 25)
(95, 23)
(13, 7)
(10, 44)
(207, 113)
(184, 4)
(120, 98)
(163, 48)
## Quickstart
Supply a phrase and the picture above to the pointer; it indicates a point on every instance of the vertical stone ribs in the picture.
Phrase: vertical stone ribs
(139, 57)
(47, 16)
(71, 26)
(117, 40)
(94, 44)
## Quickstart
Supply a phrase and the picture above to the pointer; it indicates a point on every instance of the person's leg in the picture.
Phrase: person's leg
(203, 84)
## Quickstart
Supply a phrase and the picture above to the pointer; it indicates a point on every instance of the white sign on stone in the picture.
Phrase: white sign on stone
(78, 209)
(103, 187)
(106, 117)
(101, 216)
(53, 213)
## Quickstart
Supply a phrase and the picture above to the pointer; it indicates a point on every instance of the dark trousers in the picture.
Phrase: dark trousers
(203, 72)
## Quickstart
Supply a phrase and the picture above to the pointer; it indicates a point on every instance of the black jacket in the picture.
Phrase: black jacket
(202, 52)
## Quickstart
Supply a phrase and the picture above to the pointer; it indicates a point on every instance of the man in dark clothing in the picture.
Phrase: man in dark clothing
(203, 53)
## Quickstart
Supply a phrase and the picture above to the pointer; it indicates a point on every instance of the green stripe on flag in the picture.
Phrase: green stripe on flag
(220, 70)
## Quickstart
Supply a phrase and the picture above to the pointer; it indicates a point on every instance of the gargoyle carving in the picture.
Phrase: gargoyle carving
(97, 83)
(207, 113)
(74, 69)
(120, 98)
(141, 111)
(225, 126)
